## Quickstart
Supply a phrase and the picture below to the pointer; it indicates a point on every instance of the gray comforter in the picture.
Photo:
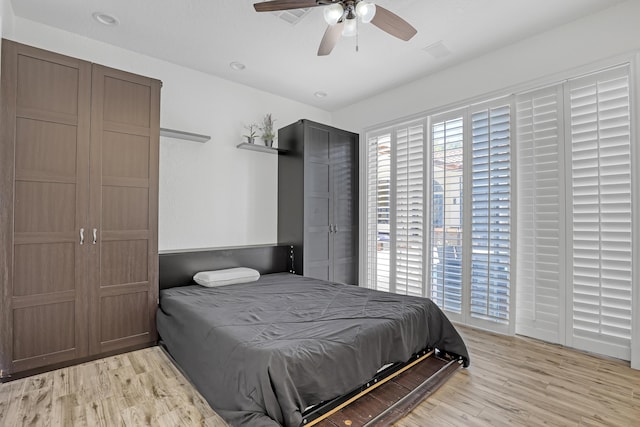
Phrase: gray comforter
(261, 352)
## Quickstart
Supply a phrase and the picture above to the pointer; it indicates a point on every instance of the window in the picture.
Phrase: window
(540, 224)
(575, 216)
(379, 204)
(471, 215)
(447, 138)
(571, 191)
(458, 254)
(395, 230)
(409, 209)
(491, 214)
(600, 212)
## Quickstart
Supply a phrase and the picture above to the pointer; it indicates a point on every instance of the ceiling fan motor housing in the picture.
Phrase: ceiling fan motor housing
(338, 13)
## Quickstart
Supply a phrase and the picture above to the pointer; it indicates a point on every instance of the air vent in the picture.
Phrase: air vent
(292, 16)
(437, 50)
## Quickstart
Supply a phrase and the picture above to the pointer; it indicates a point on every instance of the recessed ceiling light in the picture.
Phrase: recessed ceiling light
(105, 18)
(238, 66)
(320, 94)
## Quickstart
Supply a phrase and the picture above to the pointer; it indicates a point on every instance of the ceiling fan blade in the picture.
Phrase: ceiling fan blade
(330, 38)
(393, 24)
(275, 5)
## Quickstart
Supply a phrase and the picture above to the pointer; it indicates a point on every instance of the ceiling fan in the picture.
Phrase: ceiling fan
(342, 17)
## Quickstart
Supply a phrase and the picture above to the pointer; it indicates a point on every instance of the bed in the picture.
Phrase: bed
(262, 353)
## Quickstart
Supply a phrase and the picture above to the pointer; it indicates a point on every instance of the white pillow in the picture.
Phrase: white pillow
(228, 276)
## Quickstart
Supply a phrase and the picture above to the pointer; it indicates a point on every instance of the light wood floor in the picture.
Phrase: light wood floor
(512, 382)
(515, 381)
(133, 389)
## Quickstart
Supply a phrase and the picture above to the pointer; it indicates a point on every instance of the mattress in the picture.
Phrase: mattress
(262, 352)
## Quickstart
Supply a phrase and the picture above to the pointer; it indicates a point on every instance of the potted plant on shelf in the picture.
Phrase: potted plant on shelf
(252, 132)
(268, 133)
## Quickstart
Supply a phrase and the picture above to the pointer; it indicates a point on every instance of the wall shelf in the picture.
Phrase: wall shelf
(261, 148)
(188, 136)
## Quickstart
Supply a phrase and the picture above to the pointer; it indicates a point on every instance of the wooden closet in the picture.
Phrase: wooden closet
(78, 209)
(318, 200)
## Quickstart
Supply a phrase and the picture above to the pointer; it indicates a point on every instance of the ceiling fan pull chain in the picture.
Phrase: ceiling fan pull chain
(357, 35)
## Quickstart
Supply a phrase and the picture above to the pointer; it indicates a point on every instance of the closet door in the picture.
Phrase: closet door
(125, 116)
(43, 199)
(344, 173)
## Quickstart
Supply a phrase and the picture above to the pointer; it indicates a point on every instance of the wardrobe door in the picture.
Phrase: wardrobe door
(125, 128)
(44, 159)
(344, 168)
(318, 203)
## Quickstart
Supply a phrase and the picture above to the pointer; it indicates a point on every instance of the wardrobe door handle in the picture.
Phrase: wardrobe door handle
(82, 236)
(335, 228)
(95, 236)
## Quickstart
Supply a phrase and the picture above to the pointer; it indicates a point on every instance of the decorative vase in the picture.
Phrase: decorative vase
(268, 142)
(250, 139)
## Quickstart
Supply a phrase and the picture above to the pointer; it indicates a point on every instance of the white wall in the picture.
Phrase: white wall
(611, 32)
(211, 194)
(6, 18)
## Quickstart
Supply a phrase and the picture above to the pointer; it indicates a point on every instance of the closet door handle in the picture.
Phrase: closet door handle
(95, 236)
(82, 236)
(335, 228)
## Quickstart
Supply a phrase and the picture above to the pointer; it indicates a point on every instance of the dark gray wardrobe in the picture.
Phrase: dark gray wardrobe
(318, 200)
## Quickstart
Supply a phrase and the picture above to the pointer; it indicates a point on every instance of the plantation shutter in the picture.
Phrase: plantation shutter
(409, 212)
(491, 214)
(600, 212)
(378, 210)
(395, 206)
(446, 213)
(540, 297)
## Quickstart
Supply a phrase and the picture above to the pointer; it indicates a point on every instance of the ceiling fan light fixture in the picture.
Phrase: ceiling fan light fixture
(365, 11)
(343, 17)
(333, 13)
(350, 28)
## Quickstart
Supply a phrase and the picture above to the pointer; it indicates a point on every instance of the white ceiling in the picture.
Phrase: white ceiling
(280, 58)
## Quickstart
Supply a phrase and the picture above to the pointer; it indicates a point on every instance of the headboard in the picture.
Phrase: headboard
(177, 268)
